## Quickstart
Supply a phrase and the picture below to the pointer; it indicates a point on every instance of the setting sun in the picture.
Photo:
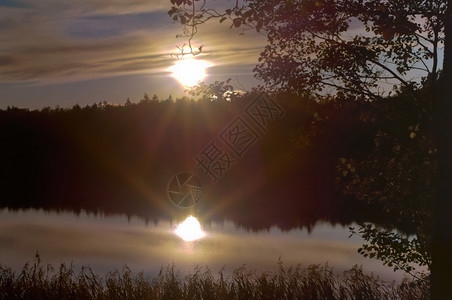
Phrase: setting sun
(190, 230)
(189, 71)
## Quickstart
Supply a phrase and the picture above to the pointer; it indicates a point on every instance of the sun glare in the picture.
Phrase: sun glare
(190, 230)
(189, 71)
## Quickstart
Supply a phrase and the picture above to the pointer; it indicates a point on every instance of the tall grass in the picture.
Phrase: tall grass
(37, 281)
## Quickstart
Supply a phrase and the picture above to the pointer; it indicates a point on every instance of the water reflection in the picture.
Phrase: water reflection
(190, 230)
(107, 243)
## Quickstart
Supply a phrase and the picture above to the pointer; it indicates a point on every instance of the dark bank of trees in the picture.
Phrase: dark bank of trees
(310, 165)
(100, 157)
(121, 158)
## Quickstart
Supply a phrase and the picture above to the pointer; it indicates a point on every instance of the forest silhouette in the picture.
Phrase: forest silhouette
(119, 159)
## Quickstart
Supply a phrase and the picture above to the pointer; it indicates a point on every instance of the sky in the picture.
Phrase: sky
(67, 52)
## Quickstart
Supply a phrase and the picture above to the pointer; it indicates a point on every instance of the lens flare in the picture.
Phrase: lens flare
(190, 230)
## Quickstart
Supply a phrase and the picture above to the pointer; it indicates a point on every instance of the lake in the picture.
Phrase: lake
(108, 242)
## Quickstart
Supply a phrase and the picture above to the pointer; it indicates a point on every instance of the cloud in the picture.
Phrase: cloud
(89, 7)
(6, 60)
(51, 41)
(12, 3)
(7, 23)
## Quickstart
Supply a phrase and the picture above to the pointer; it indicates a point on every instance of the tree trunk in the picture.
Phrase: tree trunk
(442, 243)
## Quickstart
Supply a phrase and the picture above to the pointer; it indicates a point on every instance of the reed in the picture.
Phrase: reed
(37, 281)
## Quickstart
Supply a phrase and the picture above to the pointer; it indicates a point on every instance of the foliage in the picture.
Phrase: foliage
(358, 47)
(357, 50)
(395, 249)
(399, 173)
(312, 282)
(217, 91)
(398, 177)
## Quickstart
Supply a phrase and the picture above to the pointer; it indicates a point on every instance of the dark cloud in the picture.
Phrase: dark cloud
(7, 23)
(95, 7)
(29, 73)
(102, 26)
(67, 48)
(14, 4)
(6, 60)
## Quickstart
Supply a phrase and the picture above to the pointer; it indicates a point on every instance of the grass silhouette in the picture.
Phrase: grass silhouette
(37, 281)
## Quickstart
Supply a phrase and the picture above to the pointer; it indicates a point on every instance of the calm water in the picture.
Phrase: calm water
(108, 242)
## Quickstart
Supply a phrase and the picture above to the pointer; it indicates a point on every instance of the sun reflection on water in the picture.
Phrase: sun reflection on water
(190, 230)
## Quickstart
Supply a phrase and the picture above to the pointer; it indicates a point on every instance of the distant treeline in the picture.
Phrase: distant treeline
(120, 158)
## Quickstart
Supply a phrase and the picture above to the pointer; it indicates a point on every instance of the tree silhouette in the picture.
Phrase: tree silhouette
(360, 48)
(145, 98)
(356, 49)
(442, 245)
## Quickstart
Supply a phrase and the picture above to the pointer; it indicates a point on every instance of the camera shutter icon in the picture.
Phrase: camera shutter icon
(185, 190)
